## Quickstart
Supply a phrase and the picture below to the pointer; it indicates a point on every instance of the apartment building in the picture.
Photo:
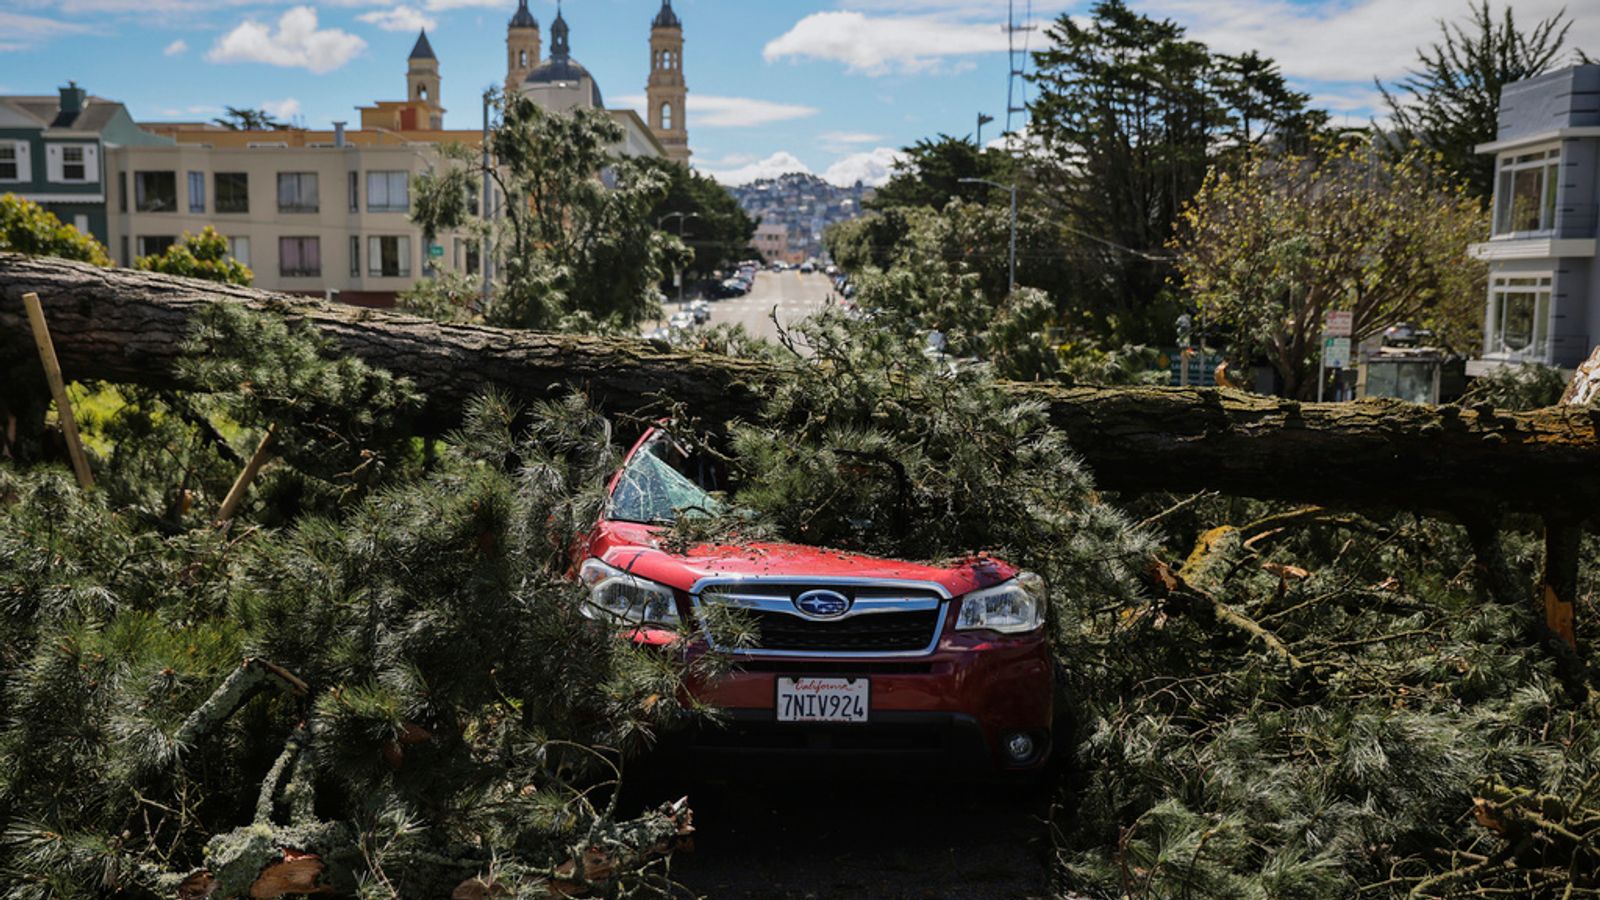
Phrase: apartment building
(309, 212)
(1544, 275)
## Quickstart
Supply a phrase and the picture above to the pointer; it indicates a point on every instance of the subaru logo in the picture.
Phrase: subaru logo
(823, 604)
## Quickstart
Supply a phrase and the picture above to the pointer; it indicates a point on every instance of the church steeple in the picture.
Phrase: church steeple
(522, 46)
(666, 92)
(422, 81)
(560, 42)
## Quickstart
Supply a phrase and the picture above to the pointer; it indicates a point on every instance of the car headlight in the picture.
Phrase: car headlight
(615, 595)
(1012, 607)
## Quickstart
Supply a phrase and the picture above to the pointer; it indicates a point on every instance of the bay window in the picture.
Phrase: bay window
(1525, 192)
(1519, 315)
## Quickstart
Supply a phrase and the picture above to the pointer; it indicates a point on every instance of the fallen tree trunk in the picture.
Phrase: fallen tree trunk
(126, 326)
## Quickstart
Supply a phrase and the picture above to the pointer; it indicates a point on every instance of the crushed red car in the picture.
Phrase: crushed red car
(853, 656)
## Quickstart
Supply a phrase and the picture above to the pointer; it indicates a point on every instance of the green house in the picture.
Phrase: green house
(53, 150)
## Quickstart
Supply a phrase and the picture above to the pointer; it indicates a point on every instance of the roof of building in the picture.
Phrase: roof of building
(523, 18)
(423, 49)
(97, 112)
(666, 18)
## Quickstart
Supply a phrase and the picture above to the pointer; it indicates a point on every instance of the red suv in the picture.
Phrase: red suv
(853, 655)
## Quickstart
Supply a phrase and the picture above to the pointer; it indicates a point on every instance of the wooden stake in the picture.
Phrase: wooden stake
(58, 388)
(261, 457)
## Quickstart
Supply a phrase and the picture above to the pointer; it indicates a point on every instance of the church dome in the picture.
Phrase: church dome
(561, 70)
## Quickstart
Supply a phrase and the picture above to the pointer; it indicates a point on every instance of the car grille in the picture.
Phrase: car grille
(885, 618)
(879, 632)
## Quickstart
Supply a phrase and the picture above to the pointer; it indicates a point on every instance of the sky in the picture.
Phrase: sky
(832, 87)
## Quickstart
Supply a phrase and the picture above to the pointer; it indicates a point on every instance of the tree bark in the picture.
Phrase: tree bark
(126, 326)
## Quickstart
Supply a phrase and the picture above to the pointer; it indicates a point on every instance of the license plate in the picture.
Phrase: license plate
(823, 699)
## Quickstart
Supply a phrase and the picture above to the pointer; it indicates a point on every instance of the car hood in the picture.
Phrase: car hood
(640, 549)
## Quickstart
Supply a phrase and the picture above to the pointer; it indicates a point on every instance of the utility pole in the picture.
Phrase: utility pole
(485, 207)
(1012, 280)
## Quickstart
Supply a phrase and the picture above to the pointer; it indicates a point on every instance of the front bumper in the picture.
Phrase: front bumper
(958, 705)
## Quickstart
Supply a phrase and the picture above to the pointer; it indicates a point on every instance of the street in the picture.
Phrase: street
(794, 295)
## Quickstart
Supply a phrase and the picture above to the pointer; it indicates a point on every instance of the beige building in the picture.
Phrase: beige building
(328, 212)
(771, 240)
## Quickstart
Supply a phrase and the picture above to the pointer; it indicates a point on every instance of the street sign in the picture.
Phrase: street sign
(436, 251)
(1336, 353)
(1338, 323)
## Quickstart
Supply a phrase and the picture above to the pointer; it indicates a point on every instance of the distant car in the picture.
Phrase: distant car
(831, 271)
(659, 334)
(682, 319)
(806, 268)
(732, 287)
(701, 310)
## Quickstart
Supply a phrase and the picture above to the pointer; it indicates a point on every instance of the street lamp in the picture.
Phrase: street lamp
(1012, 281)
(681, 217)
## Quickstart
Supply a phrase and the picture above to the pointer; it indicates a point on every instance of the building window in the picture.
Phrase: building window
(666, 116)
(355, 256)
(297, 192)
(299, 257)
(468, 260)
(122, 250)
(122, 194)
(197, 192)
(522, 59)
(1519, 315)
(155, 244)
(72, 167)
(239, 249)
(389, 257)
(233, 192)
(81, 223)
(354, 189)
(155, 191)
(14, 161)
(1525, 192)
(388, 191)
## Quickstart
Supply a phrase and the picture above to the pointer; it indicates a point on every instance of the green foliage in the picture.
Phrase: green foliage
(1451, 101)
(26, 227)
(204, 255)
(245, 119)
(1528, 386)
(715, 227)
(1130, 116)
(930, 172)
(446, 297)
(575, 244)
(461, 710)
(1267, 251)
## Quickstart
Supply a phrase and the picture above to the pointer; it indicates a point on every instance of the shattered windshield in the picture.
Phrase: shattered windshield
(655, 490)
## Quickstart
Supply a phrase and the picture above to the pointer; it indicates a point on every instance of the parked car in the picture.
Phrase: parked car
(701, 310)
(853, 653)
(682, 319)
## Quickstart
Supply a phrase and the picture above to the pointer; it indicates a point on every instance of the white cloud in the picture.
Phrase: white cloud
(16, 25)
(841, 141)
(401, 18)
(874, 167)
(284, 109)
(710, 111)
(441, 5)
(780, 163)
(295, 43)
(878, 45)
(176, 47)
(1350, 42)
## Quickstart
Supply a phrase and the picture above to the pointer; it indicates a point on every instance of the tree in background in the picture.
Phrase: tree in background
(204, 255)
(575, 244)
(1267, 251)
(930, 172)
(1451, 102)
(27, 227)
(245, 119)
(1130, 116)
(716, 228)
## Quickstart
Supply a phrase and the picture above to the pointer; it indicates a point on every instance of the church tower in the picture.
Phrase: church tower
(422, 81)
(522, 47)
(666, 91)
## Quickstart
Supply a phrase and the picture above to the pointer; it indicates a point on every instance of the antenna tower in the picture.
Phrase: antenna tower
(1017, 36)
